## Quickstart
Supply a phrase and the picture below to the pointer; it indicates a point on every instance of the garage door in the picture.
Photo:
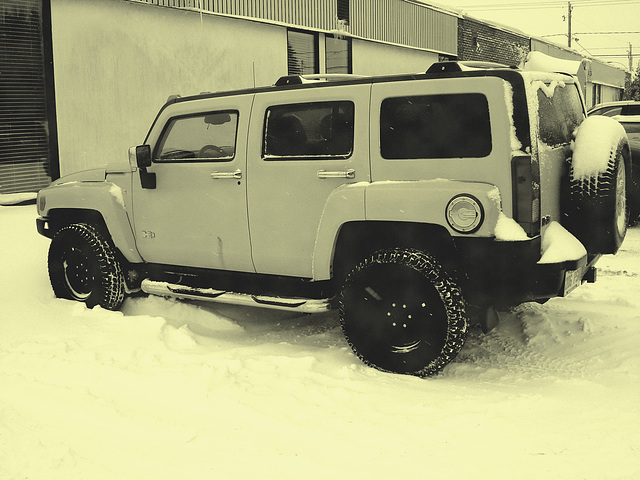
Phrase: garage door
(25, 159)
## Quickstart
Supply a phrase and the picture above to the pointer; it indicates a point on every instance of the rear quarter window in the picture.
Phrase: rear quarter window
(559, 112)
(435, 126)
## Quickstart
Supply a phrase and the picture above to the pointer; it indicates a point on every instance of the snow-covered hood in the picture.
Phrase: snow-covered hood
(94, 174)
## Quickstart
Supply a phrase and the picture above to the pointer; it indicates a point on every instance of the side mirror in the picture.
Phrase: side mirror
(143, 156)
(140, 157)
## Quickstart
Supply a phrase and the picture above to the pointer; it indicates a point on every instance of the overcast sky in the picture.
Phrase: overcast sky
(590, 18)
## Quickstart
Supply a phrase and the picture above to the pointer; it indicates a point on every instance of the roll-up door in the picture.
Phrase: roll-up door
(25, 153)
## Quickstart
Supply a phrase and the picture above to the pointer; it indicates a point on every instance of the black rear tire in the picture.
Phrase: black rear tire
(401, 313)
(83, 267)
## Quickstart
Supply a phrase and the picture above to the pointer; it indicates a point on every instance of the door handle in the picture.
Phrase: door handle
(232, 175)
(351, 173)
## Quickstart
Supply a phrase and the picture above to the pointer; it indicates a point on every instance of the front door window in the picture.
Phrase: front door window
(206, 137)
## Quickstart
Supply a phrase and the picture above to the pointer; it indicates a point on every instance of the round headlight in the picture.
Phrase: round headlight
(464, 213)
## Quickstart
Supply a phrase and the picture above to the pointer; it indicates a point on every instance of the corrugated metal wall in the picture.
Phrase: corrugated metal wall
(400, 22)
(24, 146)
(405, 23)
(317, 14)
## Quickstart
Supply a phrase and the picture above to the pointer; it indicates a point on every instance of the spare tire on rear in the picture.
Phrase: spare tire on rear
(596, 211)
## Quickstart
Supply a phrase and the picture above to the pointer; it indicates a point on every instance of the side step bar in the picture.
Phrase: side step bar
(304, 305)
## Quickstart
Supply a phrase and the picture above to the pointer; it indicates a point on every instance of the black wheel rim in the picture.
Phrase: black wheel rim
(397, 320)
(78, 273)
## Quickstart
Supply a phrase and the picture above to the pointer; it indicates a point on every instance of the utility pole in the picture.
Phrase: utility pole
(630, 57)
(570, 9)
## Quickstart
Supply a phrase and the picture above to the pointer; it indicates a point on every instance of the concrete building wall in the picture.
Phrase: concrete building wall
(370, 58)
(117, 62)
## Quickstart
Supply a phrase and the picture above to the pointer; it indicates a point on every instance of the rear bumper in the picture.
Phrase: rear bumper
(504, 274)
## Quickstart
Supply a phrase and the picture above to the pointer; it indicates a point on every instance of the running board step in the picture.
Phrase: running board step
(305, 305)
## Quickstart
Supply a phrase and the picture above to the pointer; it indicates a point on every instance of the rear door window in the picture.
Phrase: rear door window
(308, 131)
(435, 126)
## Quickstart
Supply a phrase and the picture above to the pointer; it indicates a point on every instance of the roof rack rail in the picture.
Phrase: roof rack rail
(454, 66)
(323, 77)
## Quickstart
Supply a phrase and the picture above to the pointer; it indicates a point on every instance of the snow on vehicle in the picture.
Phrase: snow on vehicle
(412, 204)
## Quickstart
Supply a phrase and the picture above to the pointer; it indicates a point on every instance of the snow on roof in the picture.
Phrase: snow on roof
(538, 61)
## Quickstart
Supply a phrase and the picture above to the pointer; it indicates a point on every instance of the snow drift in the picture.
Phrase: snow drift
(176, 390)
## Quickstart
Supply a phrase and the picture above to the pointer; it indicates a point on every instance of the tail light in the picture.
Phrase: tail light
(526, 194)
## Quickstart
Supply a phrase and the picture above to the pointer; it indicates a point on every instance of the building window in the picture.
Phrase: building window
(597, 94)
(302, 53)
(308, 131)
(343, 10)
(338, 55)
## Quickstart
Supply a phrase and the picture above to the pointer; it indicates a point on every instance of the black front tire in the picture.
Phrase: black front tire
(83, 267)
(401, 313)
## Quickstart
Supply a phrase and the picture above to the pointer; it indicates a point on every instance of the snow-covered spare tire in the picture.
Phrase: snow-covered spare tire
(402, 313)
(596, 211)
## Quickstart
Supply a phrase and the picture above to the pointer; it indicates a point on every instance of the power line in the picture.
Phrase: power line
(511, 6)
(590, 33)
(606, 33)
(544, 5)
(607, 48)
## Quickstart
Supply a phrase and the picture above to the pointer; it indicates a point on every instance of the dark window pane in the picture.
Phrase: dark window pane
(302, 53)
(435, 126)
(343, 10)
(632, 109)
(631, 128)
(309, 130)
(608, 112)
(560, 113)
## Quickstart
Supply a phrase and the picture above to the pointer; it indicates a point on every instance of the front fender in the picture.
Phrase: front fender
(106, 198)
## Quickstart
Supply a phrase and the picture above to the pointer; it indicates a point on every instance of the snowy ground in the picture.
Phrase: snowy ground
(174, 390)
